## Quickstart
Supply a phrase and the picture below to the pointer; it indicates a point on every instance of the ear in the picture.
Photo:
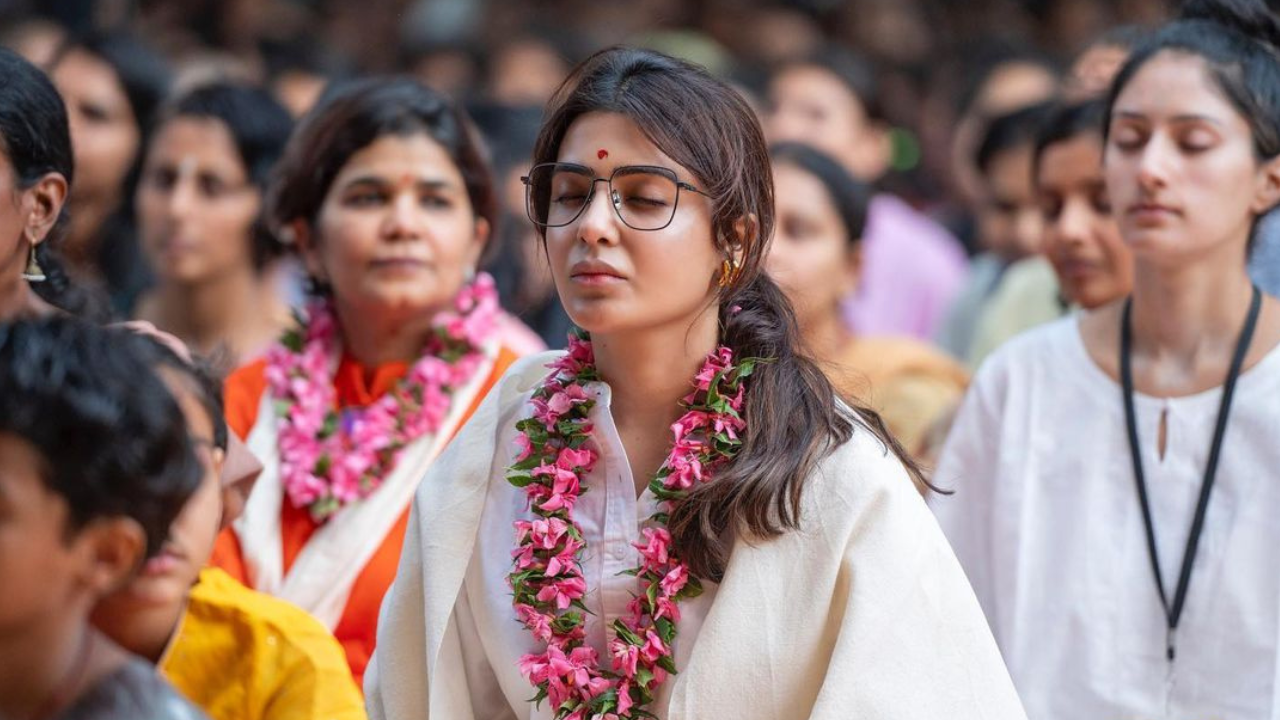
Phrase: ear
(113, 548)
(852, 269)
(300, 230)
(1267, 194)
(42, 204)
(746, 232)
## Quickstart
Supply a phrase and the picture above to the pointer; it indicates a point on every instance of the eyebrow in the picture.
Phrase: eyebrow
(378, 180)
(1181, 118)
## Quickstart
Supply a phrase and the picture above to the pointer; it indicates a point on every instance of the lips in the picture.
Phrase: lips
(398, 264)
(1151, 211)
(595, 272)
(170, 558)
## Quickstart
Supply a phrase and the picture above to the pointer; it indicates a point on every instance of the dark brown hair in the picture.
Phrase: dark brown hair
(354, 115)
(793, 416)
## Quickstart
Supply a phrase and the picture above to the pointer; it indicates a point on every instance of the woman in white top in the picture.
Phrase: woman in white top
(781, 560)
(1114, 503)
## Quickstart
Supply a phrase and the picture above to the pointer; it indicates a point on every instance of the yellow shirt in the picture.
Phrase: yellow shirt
(243, 655)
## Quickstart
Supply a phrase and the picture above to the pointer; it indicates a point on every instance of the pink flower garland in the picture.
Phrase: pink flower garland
(330, 459)
(547, 580)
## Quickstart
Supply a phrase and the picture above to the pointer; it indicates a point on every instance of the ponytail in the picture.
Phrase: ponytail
(795, 418)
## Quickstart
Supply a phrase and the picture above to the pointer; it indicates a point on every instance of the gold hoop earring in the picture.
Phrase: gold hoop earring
(33, 273)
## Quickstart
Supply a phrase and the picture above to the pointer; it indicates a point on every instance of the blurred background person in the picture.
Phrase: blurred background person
(911, 268)
(816, 257)
(112, 85)
(200, 214)
(36, 171)
(1008, 220)
(1083, 261)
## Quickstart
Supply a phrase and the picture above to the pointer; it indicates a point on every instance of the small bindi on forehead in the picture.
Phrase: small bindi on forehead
(602, 154)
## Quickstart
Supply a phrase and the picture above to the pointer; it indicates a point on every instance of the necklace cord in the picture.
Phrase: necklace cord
(1173, 612)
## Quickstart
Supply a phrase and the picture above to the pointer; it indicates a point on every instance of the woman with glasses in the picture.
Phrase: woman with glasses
(200, 221)
(677, 518)
(385, 192)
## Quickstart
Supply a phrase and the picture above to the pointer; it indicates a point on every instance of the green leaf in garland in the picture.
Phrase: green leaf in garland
(666, 662)
(520, 479)
(666, 630)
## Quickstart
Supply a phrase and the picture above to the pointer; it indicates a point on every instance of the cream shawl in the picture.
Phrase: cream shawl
(863, 613)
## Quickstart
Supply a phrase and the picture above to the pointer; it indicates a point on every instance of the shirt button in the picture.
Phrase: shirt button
(619, 551)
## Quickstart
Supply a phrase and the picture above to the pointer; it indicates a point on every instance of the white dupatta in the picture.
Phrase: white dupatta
(321, 577)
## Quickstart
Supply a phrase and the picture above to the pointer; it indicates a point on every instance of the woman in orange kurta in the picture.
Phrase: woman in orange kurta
(385, 194)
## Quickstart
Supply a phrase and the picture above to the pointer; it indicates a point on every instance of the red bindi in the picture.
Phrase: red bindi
(602, 154)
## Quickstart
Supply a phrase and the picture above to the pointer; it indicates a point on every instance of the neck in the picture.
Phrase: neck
(1180, 314)
(375, 339)
(145, 632)
(220, 310)
(18, 300)
(825, 335)
(650, 371)
(40, 665)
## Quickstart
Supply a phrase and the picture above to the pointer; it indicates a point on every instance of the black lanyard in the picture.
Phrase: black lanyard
(1173, 612)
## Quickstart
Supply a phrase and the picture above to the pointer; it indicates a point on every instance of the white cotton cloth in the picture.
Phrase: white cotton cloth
(862, 613)
(1046, 521)
(611, 517)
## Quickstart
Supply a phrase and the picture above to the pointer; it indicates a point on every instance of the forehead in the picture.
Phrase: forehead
(200, 137)
(812, 84)
(1173, 84)
(1075, 158)
(397, 156)
(621, 139)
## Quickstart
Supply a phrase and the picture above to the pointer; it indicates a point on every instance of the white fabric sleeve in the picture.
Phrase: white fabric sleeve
(969, 466)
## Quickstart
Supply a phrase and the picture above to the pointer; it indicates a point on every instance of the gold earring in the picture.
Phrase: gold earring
(33, 272)
(729, 272)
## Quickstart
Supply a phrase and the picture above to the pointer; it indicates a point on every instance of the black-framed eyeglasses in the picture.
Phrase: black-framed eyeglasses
(644, 196)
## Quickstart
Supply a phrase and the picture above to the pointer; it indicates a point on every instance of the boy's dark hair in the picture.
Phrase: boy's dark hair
(1011, 130)
(112, 439)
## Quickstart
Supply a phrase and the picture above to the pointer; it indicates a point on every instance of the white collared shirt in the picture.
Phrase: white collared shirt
(611, 517)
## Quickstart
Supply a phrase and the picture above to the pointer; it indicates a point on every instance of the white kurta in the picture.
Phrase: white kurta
(862, 613)
(1047, 523)
(611, 517)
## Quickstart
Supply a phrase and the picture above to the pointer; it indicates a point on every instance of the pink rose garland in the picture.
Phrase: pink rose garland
(330, 458)
(547, 579)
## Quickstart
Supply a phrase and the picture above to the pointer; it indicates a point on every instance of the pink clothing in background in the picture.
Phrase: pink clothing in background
(912, 269)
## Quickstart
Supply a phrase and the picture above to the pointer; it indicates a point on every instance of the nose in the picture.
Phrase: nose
(598, 223)
(1074, 224)
(403, 219)
(181, 197)
(1153, 165)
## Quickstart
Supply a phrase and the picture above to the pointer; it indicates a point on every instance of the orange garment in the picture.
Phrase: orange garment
(355, 387)
(914, 387)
